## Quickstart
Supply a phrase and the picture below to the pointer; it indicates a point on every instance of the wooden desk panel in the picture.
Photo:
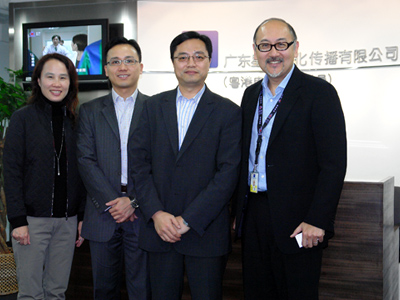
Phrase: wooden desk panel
(362, 260)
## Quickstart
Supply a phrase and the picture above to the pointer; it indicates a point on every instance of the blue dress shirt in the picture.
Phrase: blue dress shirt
(269, 102)
(124, 110)
(185, 109)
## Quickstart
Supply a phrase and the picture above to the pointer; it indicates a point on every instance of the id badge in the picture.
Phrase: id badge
(254, 182)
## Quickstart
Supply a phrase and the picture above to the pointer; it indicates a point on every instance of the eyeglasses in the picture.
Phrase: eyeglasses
(281, 46)
(118, 62)
(196, 58)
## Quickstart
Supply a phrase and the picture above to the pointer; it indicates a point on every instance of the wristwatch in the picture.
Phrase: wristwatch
(185, 223)
(134, 203)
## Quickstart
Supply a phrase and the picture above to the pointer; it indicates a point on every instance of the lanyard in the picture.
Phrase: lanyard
(261, 126)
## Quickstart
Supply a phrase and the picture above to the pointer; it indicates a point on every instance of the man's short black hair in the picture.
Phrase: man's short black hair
(57, 36)
(188, 35)
(120, 41)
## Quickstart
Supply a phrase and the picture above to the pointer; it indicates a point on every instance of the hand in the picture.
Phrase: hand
(311, 235)
(80, 239)
(167, 226)
(21, 235)
(133, 217)
(183, 228)
(234, 224)
(121, 209)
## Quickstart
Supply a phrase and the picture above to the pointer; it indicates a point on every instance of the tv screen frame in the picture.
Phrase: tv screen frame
(91, 74)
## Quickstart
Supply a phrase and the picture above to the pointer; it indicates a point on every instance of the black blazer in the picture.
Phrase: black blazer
(195, 182)
(99, 158)
(306, 157)
(29, 164)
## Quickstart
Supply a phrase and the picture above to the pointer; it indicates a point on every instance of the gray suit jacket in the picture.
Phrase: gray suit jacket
(99, 158)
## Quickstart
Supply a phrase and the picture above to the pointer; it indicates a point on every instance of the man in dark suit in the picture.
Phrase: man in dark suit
(185, 164)
(292, 171)
(105, 129)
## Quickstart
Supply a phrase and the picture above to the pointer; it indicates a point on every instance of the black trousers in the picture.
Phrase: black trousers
(110, 258)
(204, 274)
(269, 273)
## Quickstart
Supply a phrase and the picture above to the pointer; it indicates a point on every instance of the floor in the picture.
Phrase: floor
(232, 282)
(80, 287)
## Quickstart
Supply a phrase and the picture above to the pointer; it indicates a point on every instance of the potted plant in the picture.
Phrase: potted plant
(12, 97)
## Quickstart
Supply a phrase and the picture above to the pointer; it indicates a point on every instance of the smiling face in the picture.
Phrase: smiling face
(124, 79)
(191, 74)
(276, 64)
(54, 80)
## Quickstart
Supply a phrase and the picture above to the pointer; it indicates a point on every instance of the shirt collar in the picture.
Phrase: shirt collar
(118, 98)
(196, 98)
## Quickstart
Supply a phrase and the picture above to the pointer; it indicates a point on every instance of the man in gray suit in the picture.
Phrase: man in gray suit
(105, 128)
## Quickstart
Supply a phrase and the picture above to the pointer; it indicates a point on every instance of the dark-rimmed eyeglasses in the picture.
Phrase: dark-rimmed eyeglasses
(281, 46)
(185, 58)
(118, 62)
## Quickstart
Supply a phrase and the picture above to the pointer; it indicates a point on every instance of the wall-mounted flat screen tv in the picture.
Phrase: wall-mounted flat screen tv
(80, 40)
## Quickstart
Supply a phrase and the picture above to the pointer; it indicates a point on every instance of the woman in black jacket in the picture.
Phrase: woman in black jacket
(44, 193)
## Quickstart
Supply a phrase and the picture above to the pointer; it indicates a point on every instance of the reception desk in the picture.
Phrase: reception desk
(362, 260)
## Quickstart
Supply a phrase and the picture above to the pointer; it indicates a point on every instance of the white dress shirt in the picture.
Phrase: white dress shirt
(124, 109)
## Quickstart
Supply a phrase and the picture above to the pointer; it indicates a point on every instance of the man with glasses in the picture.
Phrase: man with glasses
(110, 222)
(292, 171)
(185, 158)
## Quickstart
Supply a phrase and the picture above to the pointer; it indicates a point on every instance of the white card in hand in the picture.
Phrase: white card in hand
(299, 239)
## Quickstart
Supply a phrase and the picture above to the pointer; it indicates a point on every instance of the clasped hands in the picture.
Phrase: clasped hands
(168, 227)
(121, 210)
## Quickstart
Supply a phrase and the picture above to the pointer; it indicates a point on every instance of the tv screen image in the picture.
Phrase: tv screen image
(80, 40)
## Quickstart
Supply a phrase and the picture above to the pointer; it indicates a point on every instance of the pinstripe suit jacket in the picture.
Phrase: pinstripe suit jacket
(99, 158)
(195, 181)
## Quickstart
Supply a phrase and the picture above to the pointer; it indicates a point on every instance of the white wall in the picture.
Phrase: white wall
(369, 95)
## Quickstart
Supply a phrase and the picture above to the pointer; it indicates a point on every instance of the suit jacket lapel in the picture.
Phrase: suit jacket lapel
(290, 97)
(136, 113)
(250, 109)
(203, 110)
(110, 115)
(168, 108)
